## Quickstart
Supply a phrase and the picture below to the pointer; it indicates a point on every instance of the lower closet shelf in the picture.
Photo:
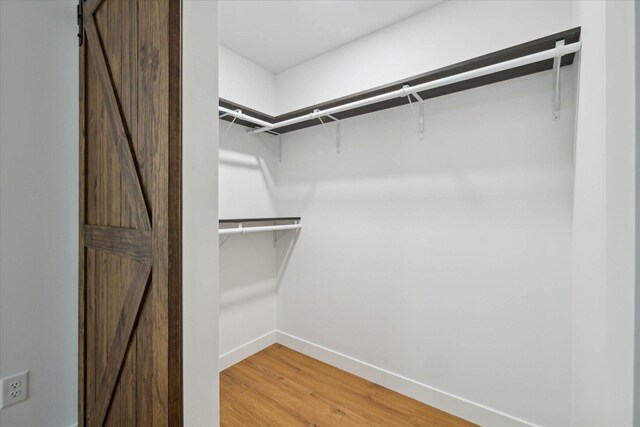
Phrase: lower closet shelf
(241, 229)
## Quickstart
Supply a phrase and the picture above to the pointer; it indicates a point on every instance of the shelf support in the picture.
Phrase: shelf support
(556, 82)
(338, 122)
(336, 140)
(224, 240)
(420, 114)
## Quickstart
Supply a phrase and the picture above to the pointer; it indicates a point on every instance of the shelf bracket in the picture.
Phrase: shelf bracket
(556, 83)
(227, 236)
(420, 117)
(224, 240)
(337, 137)
(276, 153)
(420, 114)
(337, 133)
(276, 239)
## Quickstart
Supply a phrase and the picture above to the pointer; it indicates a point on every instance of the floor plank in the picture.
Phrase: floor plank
(281, 387)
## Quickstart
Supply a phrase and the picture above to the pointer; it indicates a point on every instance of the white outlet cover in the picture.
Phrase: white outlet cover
(15, 388)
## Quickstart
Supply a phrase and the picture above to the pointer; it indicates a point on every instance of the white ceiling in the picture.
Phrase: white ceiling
(278, 34)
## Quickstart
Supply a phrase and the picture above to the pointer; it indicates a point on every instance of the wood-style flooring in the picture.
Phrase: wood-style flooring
(281, 387)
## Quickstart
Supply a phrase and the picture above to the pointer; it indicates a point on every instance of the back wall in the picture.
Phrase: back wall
(447, 261)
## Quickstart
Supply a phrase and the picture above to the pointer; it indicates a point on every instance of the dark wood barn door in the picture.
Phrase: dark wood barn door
(130, 370)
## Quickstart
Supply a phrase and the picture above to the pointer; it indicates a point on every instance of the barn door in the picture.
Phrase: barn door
(130, 370)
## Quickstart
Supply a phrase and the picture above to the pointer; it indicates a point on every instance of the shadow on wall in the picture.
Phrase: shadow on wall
(283, 255)
(249, 266)
(247, 173)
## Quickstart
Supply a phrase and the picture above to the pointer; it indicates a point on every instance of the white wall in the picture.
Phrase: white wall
(636, 409)
(621, 169)
(200, 213)
(449, 261)
(39, 208)
(247, 175)
(603, 263)
(246, 83)
(450, 32)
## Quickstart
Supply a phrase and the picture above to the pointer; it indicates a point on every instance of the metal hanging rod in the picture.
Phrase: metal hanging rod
(238, 114)
(243, 230)
(557, 52)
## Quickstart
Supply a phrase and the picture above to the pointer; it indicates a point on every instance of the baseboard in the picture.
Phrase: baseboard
(440, 399)
(447, 402)
(240, 353)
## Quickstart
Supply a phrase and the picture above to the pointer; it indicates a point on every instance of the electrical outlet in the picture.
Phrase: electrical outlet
(15, 388)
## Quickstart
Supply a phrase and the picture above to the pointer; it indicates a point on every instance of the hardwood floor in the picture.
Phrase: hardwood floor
(281, 387)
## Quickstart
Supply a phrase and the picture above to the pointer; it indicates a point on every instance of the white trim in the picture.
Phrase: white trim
(238, 354)
(456, 405)
(440, 399)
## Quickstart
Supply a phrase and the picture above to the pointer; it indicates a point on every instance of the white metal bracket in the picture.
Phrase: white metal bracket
(421, 121)
(229, 125)
(276, 239)
(227, 236)
(556, 83)
(420, 114)
(337, 137)
(420, 117)
(337, 133)
(224, 240)
(276, 153)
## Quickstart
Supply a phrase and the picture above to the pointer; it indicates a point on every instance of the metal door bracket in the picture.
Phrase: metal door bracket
(80, 23)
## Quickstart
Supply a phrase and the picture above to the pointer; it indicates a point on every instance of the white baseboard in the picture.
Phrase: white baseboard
(440, 399)
(240, 353)
(447, 402)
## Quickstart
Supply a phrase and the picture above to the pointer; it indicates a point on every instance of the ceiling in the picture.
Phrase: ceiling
(278, 34)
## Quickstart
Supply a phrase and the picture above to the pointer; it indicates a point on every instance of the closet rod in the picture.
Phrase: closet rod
(238, 114)
(243, 230)
(557, 52)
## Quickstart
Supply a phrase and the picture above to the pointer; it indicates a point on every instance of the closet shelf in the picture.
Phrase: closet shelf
(240, 220)
(241, 229)
(532, 57)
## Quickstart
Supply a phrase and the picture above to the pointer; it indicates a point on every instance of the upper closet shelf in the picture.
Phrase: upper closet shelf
(547, 53)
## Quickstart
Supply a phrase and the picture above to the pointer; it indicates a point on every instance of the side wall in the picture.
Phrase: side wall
(621, 167)
(246, 83)
(39, 208)
(603, 263)
(200, 213)
(636, 400)
(448, 261)
(247, 173)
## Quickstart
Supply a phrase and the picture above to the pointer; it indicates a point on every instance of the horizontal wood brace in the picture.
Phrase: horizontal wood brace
(127, 242)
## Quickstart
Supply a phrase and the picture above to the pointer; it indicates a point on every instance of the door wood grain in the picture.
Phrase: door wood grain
(130, 319)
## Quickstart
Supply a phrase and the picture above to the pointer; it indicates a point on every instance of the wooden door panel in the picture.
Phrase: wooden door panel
(130, 230)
